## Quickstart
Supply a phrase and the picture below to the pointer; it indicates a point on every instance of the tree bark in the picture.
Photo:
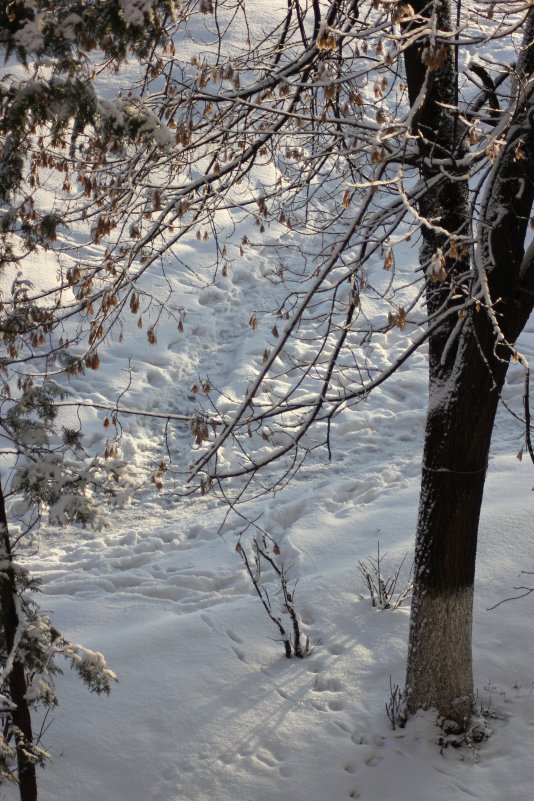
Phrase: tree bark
(20, 717)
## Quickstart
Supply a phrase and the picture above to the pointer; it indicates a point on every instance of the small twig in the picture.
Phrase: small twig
(527, 591)
(108, 407)
(526, 405)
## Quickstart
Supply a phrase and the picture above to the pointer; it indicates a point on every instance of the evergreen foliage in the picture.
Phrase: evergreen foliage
(52, 121)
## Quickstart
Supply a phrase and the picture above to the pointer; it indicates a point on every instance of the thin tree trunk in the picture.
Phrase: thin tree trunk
(21, 718)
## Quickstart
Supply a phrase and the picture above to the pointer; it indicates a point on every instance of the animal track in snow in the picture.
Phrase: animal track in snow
(308, 617)
(325, 684)
(335, 705)
(284, 515)
(465, 790)
(373, 760)
(344, 727)
(233, 636)
(266, 758)
(157, 378)
(240, 655)
(336, 648)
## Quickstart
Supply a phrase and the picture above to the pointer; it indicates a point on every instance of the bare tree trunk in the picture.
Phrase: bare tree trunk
(457, 441)
(467, 370)
(21, 718)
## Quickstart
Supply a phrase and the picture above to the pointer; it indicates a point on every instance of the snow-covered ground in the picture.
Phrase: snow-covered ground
(207, 706)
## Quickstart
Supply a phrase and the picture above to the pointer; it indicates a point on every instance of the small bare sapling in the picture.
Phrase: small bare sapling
(265, 554)
(386, 593)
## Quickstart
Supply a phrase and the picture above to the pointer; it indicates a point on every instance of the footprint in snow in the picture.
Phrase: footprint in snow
(240, 655)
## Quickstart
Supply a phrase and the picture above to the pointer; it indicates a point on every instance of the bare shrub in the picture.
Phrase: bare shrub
(266, 553)
(386, 593)
(394, 706)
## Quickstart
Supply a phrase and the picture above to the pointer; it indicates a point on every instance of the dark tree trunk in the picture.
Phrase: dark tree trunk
(21, 719)
(468, 360)
(458, 434)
